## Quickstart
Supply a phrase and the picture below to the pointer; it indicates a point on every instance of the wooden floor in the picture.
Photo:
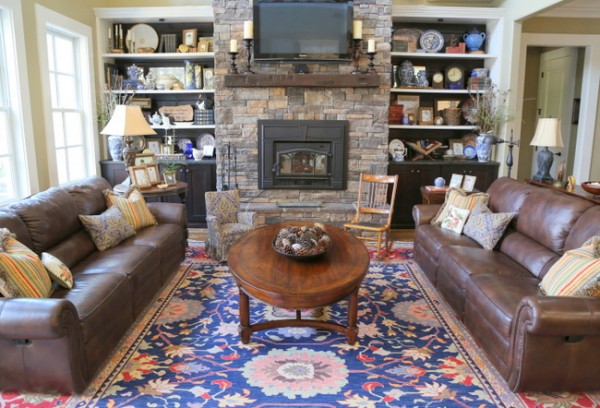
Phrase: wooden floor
(199, 234)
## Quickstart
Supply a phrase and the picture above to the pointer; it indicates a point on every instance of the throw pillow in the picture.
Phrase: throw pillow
(486, 227)
(22, 273)
(108, 228)
(459, 198)
(133, 208)
(576, 273)
(455, 220)
(595, 243)
(5, 234)
(58, 271)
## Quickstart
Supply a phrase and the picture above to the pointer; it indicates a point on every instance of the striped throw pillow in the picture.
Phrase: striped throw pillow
(459, 198)
(22, 273)
(133, 208)
(576, 273)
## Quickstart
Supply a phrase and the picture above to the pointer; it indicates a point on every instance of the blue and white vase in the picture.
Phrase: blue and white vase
(115, 147)
(484, 146)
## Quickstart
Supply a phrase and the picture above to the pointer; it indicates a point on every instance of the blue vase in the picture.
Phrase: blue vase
(474, 40)
(484, 147)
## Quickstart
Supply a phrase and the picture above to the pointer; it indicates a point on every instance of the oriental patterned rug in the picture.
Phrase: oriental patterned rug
(412, 352)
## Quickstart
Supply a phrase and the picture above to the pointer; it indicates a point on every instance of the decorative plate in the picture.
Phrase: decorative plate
(144, 36)
(139, 143)
(431, 41)
(205, 139)
(396, 146)
(470, 152)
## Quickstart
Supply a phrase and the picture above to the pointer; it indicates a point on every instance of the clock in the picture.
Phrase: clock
(455, 76)
(437, 81)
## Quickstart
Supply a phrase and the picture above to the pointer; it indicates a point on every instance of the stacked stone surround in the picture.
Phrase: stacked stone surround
(239, 109)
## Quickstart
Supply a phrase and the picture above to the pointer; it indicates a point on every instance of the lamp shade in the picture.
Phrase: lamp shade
(127, 120)
(547, 133)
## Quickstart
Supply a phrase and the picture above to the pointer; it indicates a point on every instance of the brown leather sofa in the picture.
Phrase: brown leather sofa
(58, 344)
(536, 342)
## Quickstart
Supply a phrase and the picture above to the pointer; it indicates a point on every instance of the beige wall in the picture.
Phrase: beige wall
(562, 25)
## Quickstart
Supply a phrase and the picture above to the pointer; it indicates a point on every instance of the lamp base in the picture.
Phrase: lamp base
(544, 161)
(129, 153)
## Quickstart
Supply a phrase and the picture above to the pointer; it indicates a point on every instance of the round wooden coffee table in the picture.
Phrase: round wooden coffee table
(275, 279)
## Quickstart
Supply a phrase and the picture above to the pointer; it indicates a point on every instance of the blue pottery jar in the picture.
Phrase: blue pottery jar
(439, 182)
(474, 40)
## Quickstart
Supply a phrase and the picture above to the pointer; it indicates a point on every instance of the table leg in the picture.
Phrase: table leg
(298, 315)
(182, 197)
(244, 328)
(352, 333)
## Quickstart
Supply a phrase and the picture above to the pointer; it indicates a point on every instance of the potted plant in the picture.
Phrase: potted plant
(170, 171)
(486, 110)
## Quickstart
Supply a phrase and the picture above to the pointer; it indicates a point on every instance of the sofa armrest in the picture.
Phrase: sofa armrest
(560, 316)
(26, 318)
(169, 213)
(424, 213)
(247, 217)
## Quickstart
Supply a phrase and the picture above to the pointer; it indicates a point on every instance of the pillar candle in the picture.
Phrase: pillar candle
(357, 29)
(371, 46)
(233, 46)
(248, 28)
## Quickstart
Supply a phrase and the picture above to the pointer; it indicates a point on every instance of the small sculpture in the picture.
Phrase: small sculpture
(422, 79)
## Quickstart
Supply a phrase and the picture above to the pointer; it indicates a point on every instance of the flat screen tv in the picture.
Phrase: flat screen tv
(302, 30)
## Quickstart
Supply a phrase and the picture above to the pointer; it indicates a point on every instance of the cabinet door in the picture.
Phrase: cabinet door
(486, 173)
(411, 177)
(113, 171)
(201, 177)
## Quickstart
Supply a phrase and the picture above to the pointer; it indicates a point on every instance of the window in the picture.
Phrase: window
(18, 175)
(66, 66)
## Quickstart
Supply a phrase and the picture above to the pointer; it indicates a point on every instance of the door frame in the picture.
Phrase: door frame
(590, 82)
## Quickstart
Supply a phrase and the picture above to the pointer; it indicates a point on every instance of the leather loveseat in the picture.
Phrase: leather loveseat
(536, 342)
(57, 344)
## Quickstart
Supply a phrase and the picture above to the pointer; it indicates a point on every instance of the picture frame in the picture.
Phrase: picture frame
(144, 103)
(143, 159)
(455, 181)
(153, 174)
(440, 104)
(457, 147)
(170, 177)
(410, 102)
(139, 176)
(425, 116)
(468, 183)
(154, 146)
(208, 79)
(189, 37)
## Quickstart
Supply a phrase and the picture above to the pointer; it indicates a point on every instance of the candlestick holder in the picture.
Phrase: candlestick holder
(248, 44)
(356, 42)
(371, 56)
(233, 66)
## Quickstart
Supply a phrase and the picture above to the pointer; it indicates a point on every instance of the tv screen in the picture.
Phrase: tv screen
(303, 30)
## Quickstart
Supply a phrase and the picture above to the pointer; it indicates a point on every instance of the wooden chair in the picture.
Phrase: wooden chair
(374, 199)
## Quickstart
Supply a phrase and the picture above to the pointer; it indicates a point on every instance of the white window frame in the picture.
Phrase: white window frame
(25, 176)
(46, 18)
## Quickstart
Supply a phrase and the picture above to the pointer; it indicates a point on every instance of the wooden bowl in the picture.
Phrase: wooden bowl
(592, 187)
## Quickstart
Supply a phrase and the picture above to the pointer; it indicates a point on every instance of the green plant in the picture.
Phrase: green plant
(170, 166)
(487, 109)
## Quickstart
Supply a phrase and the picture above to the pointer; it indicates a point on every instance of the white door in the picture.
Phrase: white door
(555, 96)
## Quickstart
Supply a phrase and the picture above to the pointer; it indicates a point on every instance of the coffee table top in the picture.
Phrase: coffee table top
(280, 281)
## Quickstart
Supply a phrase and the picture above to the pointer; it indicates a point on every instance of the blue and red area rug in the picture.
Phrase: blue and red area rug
(185, 352)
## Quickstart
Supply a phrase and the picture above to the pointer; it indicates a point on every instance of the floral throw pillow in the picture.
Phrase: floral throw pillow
(486, 227)
(455, 220)
(108, 228)
(459, 198)
(58, 271)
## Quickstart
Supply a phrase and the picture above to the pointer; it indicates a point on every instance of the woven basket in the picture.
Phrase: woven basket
(451, 116)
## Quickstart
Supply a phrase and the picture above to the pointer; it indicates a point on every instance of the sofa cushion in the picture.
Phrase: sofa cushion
(134, 208)
(508, 195)
(87, 195)
(456, 219)
(459, 198)
(22, 273)
(576, 273)
(11, 220)
(588, 225)
(486, 227)
(57, 270)
(108, 228)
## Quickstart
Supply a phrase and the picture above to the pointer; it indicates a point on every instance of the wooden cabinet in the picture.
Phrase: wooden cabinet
(413, 175)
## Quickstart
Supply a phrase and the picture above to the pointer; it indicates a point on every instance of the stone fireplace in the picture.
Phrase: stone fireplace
(241, 109)
(302, 154)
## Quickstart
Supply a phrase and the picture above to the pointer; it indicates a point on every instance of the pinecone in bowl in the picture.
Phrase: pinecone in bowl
(302, 242)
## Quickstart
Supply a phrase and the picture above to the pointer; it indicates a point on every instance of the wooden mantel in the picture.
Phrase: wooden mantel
(303, 80)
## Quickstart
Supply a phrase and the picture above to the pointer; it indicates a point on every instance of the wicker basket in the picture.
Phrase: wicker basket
(451, 116)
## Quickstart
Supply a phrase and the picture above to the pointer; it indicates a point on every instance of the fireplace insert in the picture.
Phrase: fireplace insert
(302, 154)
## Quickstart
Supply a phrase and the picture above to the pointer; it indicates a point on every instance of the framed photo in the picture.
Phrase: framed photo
(425, 116)
(142, 159)
(144, 103)
(209, 78)
(457, 147)
(469, 183)
(153, 174)
(170, 177)
(440, 104)
(139, 176)
(456, 181)
(189, 37)
(154, 146)
(410, 102)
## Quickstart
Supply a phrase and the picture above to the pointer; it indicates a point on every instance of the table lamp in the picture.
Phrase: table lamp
(126, 121)
(547, 134)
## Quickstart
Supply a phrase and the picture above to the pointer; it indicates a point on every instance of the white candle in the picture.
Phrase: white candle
(371, 46)
(233, 46)
(248, 30)
(357, 29)
(110, 33)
